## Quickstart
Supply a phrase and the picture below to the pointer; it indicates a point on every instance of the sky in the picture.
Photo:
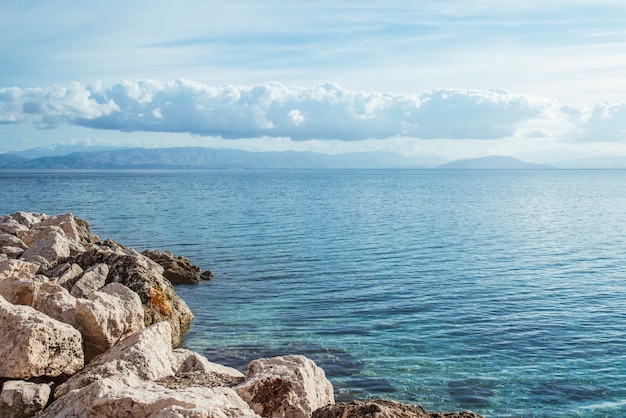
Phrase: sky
(543, 81)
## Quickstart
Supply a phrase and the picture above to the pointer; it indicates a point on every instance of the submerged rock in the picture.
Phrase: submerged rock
(177, 270)
(381, 408)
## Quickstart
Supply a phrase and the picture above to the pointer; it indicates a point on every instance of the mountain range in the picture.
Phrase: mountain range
(197, 157)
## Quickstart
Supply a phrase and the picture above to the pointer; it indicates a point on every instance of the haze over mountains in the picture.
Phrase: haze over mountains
(190, 157)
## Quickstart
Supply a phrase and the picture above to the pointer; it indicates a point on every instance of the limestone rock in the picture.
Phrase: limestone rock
(381, 408)
(108, 316)
(23, 399)
(108, 398)
(144, 277)
(187, 361)
(144, 356)
(18, 269)
(10, 240)
(92, 279)
(287, 386)
(177, 270)
(19, 291)
(41, 346)
(65, 274)
(28, 219)
(56, 302)
(37, 233)
(48, 251)
(66, 222)
(11, 226)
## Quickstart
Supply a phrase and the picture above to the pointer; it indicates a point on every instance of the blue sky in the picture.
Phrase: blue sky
(540, 80)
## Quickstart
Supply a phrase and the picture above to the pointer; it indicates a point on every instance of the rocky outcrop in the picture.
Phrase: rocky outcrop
(97, 322)
(381, 408)
(288, 386)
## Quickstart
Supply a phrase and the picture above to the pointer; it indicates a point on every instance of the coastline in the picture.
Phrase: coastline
(111, 320)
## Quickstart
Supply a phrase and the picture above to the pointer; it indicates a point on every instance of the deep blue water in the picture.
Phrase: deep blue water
(497, 291)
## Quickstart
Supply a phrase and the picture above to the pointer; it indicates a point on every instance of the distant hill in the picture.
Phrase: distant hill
(190, 157)
(8, 159)
(492, 162)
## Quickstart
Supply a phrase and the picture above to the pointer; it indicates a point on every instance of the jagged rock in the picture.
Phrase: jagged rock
(144, 277)
(48, 251)
(381, 408)
(66, 222)
(56, 302)
(92, 279)
(109, 398)
(177, 270)
(11, 226)
(144, 356)
(287, 386)
(65, 274)
(37, 233)
(19, 291)
(187, 361)
(108, 316)
(10, 240)
(40, 345)
(21, 399)
(18, 269)
(28, 219)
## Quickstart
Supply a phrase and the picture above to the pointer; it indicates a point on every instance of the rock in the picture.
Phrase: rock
(380, 408)
(11, 252)
(23, 399)
(177, 270)
(40, 345)
(18, 269)
(28, 219)
(37, 233)
(206, 275)
(287, 386)
(187, 361)
(65, 274)
(56, 302)
(145, 278)
(108, 316)
(11, 226)
(144, 356)
(66, 222)
(92, 279)
(18, 291)
(48, 251)
(10, 240)
(108, 398)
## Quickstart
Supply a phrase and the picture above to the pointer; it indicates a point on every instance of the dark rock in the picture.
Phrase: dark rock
(381, 408)
(177, 270)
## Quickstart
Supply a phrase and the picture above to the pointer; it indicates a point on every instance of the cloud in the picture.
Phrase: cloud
(324, 112)
(604, 122)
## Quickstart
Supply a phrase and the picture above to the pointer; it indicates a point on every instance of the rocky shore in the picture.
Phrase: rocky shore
(90, 328)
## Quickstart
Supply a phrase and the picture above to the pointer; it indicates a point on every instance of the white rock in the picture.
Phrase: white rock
(18, 269)
(23, 399)
(65, 274)
(144, 356)
(287, 386)
(108, 316)
(108, 398)
(28, 219)
(48, 251)
(40, 345)
(66, 222)
(11, 226)
(92, 279)
(56, 302)
(10, 240)
(37, 233)
(19, 291)
(187, 361)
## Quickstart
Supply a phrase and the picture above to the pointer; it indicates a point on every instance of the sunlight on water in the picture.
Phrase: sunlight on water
(496, 291)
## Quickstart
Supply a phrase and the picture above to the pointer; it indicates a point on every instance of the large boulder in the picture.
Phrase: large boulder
(187, 361)
(92, 279)
(288, 386)
(18, 269)
(65, 274)
(21, 399)
(177, 270)
(145, 277)
(144, 356)
(40, 345)
(108, 398)
(56, 302)
(381, 408)
(108, 316)
(19, 291)
(48, 251)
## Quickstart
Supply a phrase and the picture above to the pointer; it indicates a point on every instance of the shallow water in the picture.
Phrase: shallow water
(497, 291)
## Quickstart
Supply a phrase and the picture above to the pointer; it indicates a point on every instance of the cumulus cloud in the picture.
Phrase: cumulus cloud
(604, 122)
(273, 110)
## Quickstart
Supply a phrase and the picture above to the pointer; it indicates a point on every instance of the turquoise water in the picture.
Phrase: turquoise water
(497, 291)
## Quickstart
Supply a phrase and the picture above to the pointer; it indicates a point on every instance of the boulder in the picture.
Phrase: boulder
(37, 233)
(56, 302)
(381, 408)
(109, 398)
(48, 251)
(18, 269)
(65, 274)
(10, 240)
(92, 279)
(187, 361)
(108, 316)
(10, 252)
(28, 219)
(23, 399)
(11, 226)
(19, 291)
(288, 386)
(144, 356)
(66, 222)
(177, 270)
(144, 277)
(40, 345)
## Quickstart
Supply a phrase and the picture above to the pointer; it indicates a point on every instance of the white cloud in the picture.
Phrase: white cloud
(324, 112)
(604, 122)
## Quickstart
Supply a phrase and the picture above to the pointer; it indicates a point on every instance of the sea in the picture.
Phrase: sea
(501, 292)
